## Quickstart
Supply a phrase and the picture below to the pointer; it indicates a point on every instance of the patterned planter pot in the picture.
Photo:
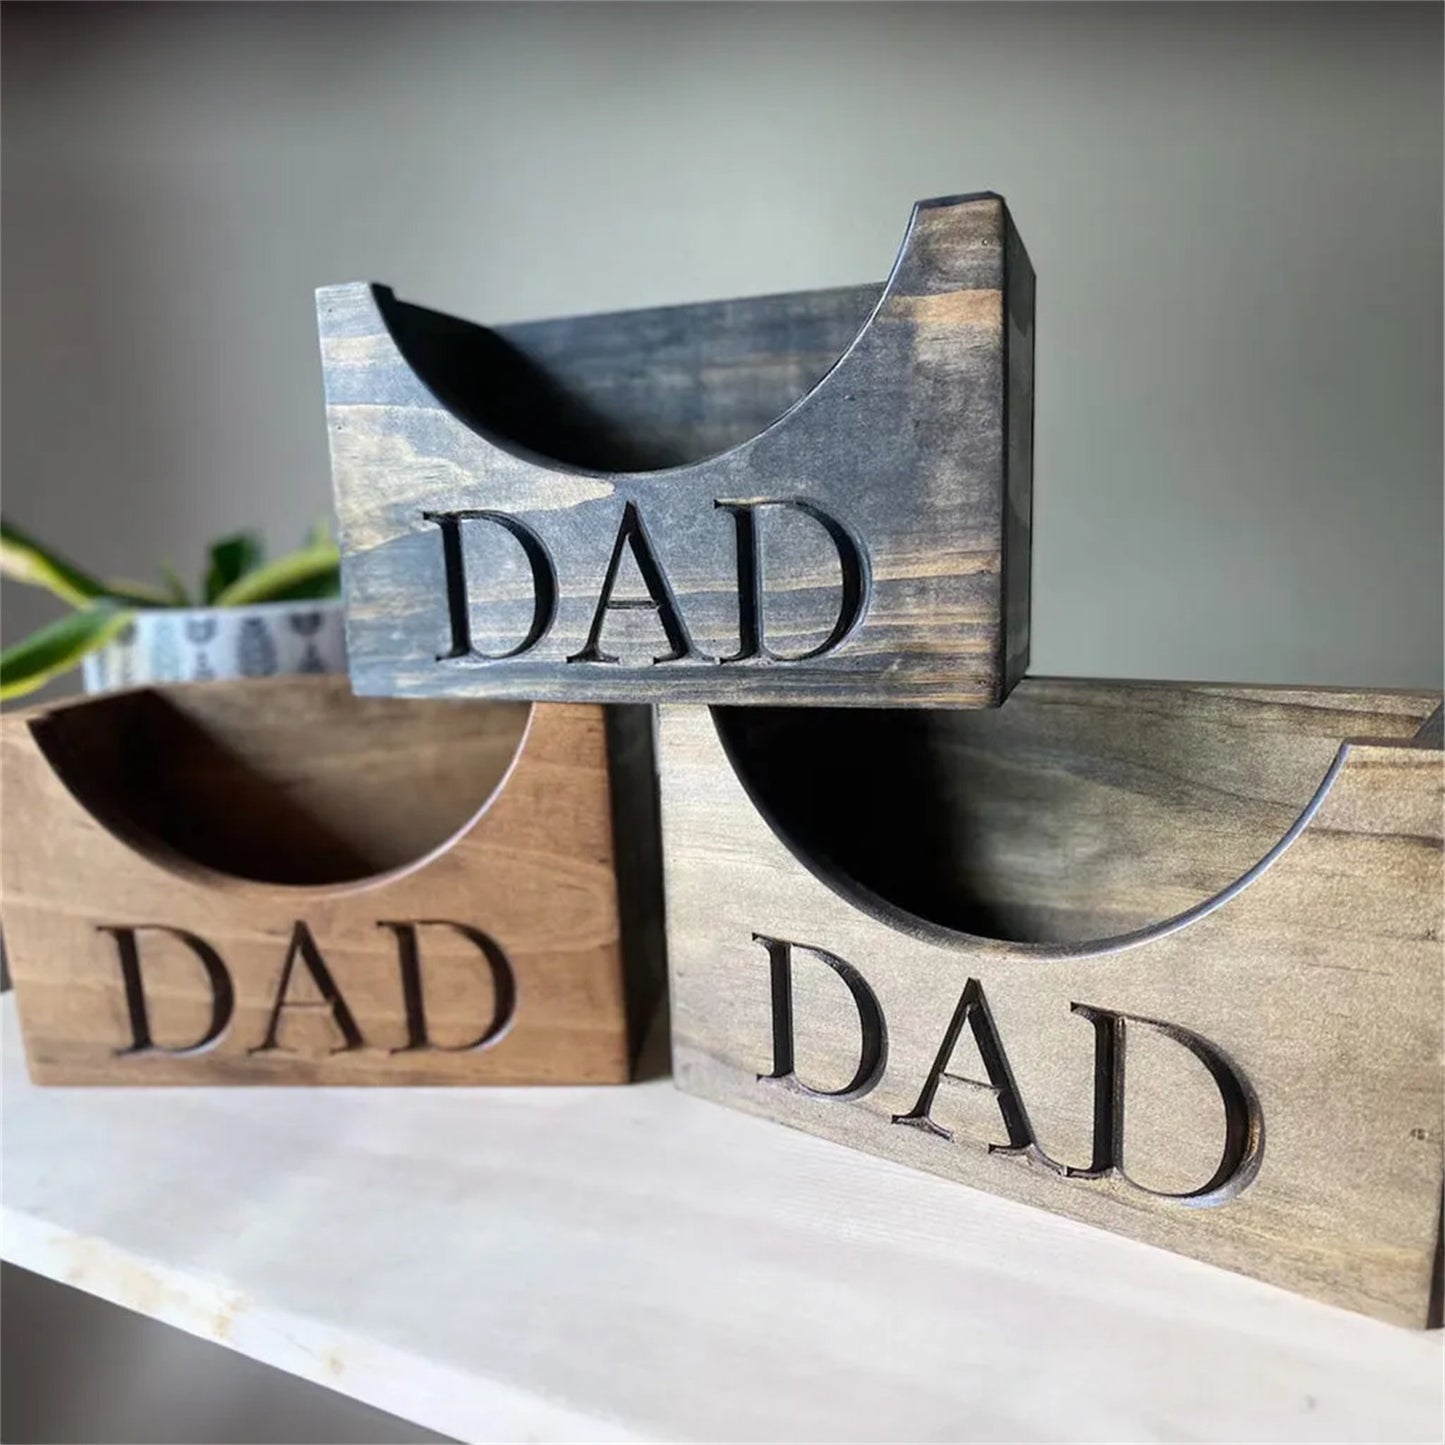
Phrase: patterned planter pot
(204, 644)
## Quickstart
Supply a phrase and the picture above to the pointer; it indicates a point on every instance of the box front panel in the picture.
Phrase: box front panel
(1280, 1113)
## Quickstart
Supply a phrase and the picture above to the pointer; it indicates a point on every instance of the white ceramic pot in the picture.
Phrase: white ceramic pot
(202, 644)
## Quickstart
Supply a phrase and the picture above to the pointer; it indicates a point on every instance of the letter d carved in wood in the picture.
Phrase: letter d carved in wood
(1243, 1116)
(873, 1028)
(218, 981)
(853, 569)
(458, 595)
(504, 985)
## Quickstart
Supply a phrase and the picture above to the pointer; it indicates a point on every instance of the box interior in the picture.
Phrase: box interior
(293, 781)
(1078, 811)
(633, 391)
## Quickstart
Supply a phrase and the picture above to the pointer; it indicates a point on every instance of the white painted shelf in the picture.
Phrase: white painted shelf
(630, 1263)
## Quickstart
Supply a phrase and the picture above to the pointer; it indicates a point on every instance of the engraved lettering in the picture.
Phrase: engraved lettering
(852, 563)
(1243, 1145)
(632, 534)
(1243, 1148)
(972, 1009)
(873, 1052)
(544, 583)
(303, 946)
(504, 985)
(223, 996)
(1244, 1121)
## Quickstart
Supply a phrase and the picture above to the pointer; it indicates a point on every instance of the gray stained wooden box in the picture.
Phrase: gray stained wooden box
(1166, 959)
(814, 498)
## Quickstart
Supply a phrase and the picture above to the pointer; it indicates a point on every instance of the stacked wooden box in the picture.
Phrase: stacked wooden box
(1163, 957)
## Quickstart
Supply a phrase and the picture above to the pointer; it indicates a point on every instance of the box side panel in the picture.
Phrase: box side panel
(1020, 289)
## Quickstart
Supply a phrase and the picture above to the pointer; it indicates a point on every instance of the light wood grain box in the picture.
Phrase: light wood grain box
(940, 937)
(278, 883)
(821, 497)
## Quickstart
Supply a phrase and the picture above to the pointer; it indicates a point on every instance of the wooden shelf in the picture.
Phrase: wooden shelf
(631, 1263)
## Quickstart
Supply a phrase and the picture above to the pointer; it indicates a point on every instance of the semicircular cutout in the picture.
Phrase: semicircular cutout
(292, 782)
(1077, 812)
(634, 391)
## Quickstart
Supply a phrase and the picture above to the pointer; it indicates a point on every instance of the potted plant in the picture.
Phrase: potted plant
(248, 618)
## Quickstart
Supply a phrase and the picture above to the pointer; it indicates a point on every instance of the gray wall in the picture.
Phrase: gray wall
(1235, 214)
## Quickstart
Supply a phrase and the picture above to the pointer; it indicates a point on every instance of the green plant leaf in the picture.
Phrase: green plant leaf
(138, 594)
(57, 648)
(231, 559)
(23, 559)
(324, 585)
(312, 572)
(174, 587)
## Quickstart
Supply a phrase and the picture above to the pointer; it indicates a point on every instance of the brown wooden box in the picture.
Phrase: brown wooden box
(821, 497)
(276, 882)
(938, 937)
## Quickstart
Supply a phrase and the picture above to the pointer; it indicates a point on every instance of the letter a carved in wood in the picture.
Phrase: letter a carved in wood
(303, 946)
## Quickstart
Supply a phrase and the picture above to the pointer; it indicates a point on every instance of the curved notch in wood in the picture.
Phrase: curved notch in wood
(293, 781)
(677, 386)
(585, 393)
(1077, 816)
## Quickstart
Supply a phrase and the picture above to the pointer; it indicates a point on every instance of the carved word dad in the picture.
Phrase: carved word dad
(1243, 1146)
(303, 951)
(633, 537)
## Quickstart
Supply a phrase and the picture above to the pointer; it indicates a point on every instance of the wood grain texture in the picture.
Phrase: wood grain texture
(303, 887)
(1256, 870)
(816, 498)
